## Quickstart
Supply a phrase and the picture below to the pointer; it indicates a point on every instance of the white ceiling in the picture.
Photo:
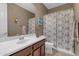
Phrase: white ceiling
(30, 7)
(53, 5)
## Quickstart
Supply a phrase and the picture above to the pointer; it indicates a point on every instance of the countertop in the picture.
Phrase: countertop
(9, 47)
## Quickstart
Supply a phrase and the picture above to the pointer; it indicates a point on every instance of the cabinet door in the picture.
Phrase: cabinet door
(43, 50)
(36, 52)
(24, 52)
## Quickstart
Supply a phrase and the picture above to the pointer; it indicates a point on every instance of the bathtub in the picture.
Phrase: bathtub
(48, 47)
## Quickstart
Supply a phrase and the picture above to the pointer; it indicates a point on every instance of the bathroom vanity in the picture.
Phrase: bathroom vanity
(37, 49)
(30, 46)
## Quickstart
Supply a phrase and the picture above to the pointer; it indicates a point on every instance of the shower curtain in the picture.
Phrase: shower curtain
(59, 29)
(50, 28)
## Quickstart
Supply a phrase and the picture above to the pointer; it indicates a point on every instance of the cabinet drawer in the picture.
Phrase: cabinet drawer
(38, 44)
(24, 52)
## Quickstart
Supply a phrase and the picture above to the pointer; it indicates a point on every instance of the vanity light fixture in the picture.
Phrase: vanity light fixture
(15, 19)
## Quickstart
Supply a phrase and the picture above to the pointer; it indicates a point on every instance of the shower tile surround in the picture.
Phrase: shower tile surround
(58, 28)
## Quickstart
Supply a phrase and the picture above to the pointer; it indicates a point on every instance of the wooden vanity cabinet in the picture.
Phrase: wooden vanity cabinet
(40, 51)
(24, 52)
(37, 49)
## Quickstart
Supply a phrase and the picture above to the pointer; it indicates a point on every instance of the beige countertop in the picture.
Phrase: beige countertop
(9, 47)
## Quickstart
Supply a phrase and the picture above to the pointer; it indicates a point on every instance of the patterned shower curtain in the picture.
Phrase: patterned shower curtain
(50, 27)
(59, 29)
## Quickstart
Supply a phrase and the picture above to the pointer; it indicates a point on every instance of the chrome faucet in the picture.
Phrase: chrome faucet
(21, 38)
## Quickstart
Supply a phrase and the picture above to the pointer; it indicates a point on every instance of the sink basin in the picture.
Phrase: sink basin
(22, 41)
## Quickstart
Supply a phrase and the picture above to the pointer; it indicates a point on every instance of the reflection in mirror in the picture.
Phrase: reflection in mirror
(18, 19)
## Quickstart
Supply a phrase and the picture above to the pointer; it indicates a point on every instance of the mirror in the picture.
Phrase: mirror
(18, 19)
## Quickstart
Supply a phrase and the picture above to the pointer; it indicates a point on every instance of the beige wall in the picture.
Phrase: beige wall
(23, 16)
(76, 10)
(41, 10)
